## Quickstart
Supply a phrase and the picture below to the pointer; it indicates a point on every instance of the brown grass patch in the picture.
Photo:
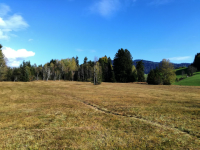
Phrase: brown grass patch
(52, 115)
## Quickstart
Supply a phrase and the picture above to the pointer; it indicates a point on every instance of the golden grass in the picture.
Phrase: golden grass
(79, 115)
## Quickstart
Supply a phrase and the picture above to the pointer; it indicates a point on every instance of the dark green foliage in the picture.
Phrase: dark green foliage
(24, 75)
(111, 74)
(27, 72)
(150, 78)
(9, 74)
(84, 72)
(16, 74)
(3, 66)
(158, 77)
(154, 77)
(106, 65)
(52, 61)
(133, 76)
(123, 65)
(112, 79)
(196, 62)
(191, 70)
(77, 61)
(85, 60)
(76, 72)
(140, 71)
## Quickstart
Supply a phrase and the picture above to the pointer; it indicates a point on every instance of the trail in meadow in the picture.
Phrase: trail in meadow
(103, 110)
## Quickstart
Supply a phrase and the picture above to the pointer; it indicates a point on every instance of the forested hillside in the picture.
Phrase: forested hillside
(148, 65)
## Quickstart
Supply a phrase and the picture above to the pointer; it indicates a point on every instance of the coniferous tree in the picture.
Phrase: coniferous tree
(196, 62)
(16, 74)
(112, 79)
(25, 70)
(151, 77)
(140, 71)
(105, 68)
(123, 65)
(27, 74)
(77, 71)
(111, 75)
(158, 78)
(9, 74)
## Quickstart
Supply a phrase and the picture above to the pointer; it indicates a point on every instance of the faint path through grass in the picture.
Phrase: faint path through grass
(104, 110)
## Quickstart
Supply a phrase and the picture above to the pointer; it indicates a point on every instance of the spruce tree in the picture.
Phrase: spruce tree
(140, 71)
(150, 78)
(123, 65)
(196, 62)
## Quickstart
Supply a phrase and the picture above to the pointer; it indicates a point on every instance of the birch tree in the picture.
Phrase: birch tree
(65, 66)
(38, 69)
(53, 70)
(46, 72)
(72, 67)
(57, 70)
(60, 68)
(97, 74)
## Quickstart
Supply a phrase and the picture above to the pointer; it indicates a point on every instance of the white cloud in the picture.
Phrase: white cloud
(14, 64)
(105, 7)
(4, 9)
(159, 2)
(11, 23)
(179, 58)
(15, 56)
(93, 51)
(30, 40)
(3, 36)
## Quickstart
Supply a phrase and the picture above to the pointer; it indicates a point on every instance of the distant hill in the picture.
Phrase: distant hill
(190, 81)
(148, 65)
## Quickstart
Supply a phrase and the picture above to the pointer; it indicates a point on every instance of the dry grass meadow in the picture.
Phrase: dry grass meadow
(79, 115)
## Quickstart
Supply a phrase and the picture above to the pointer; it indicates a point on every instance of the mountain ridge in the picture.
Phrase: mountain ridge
(148, 65)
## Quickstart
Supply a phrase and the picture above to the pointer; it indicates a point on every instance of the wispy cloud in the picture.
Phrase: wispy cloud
(105, 7)
(30, 40)
(4, 9)
(79, 50)
(15, 56)
(179, 58)
(10, 23)
(92, 51)
(160, 2)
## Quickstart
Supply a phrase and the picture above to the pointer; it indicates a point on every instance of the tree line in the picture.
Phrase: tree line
(97, 71)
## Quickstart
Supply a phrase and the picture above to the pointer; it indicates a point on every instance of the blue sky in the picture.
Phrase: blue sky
(41, 30)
